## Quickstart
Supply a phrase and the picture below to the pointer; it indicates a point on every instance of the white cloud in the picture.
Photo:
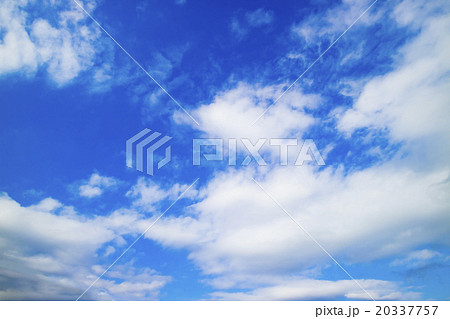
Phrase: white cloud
(259, 17)
(237, 28)
(146, 193)
(235, 231)
(16, 49)
(308, 289)
(50, 256)
(413, 13)
(109, 250)
(242, 240)
(410, 103)
(65, 55)
(241, 26)
(90, 191)
(96, 185)
(232, 112)
(418, 258)
(135, 283)
(47, 205)
(63, 47)
(335, 20)
(161, 66)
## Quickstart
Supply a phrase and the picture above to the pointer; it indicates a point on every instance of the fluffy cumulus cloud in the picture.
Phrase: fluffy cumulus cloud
(96, 185)
(236, 232)
(232, 113)
(50, 252)
(16, 51)
(411, 102)
(63, 44)
(240, 237)
(240, 115)
(243, 242)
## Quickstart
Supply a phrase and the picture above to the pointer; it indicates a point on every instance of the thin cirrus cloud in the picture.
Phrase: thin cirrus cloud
(259, 17)
(242, 25)
(335, 20)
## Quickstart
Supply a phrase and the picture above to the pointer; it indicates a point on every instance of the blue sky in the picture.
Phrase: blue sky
(376, 105)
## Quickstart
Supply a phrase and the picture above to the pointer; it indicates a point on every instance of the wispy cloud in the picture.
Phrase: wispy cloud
(307, 289)
(146, 194)
(418, 258)
(334, 20)
(242, 25)
(259, 17)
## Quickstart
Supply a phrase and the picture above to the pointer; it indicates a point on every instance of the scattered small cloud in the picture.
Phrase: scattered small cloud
(96, 185)
(259, 17)
(146, 193)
